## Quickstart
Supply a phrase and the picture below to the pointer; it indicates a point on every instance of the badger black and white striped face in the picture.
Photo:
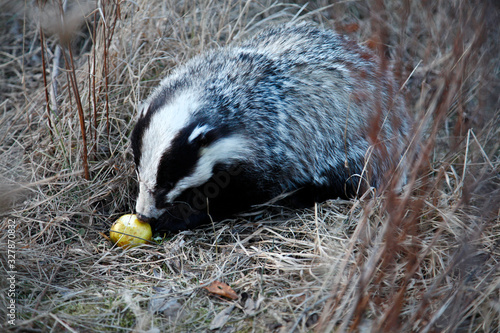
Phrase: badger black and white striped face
(175, 150)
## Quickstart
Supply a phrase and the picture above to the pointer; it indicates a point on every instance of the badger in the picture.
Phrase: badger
(297, 111)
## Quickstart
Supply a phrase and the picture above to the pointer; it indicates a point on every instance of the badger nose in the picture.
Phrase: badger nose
(144, 218)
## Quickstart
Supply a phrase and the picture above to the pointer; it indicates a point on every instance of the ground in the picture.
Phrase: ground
(424, 261)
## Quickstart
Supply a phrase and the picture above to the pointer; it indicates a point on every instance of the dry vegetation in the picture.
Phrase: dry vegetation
(427, 261)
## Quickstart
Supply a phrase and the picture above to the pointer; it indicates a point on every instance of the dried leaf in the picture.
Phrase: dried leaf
(250, 307)
(172, 309)
(222, 318)
(221, 289)
(163, 302)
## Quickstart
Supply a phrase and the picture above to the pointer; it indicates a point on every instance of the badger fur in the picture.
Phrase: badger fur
(296, 109)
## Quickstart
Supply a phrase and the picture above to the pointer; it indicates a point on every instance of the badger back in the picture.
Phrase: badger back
(342, 114)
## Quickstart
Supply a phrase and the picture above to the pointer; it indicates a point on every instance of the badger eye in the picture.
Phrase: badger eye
(161, 192)
(204, 140)
(160, 199)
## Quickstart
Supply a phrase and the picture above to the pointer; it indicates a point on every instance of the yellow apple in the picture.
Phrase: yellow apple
(129, 231)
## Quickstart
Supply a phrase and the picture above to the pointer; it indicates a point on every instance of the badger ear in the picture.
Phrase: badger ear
(202, 135)
(142, 108)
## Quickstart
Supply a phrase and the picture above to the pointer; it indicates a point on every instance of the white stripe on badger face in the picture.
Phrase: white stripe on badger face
(165, 124)
(145, 204)
(228, 149)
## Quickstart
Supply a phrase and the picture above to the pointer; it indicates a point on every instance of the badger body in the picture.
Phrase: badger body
(296, 109)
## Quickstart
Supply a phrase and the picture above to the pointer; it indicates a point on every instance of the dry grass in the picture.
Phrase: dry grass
(426, 261)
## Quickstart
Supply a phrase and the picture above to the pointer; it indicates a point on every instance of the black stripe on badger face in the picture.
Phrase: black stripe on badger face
(180, 160)
(162, 98)
(137, 135)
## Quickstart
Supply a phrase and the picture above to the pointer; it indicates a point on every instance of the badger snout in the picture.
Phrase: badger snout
(145, 218)
(145, 207)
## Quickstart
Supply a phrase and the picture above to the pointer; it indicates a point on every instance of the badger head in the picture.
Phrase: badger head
(177, 142)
